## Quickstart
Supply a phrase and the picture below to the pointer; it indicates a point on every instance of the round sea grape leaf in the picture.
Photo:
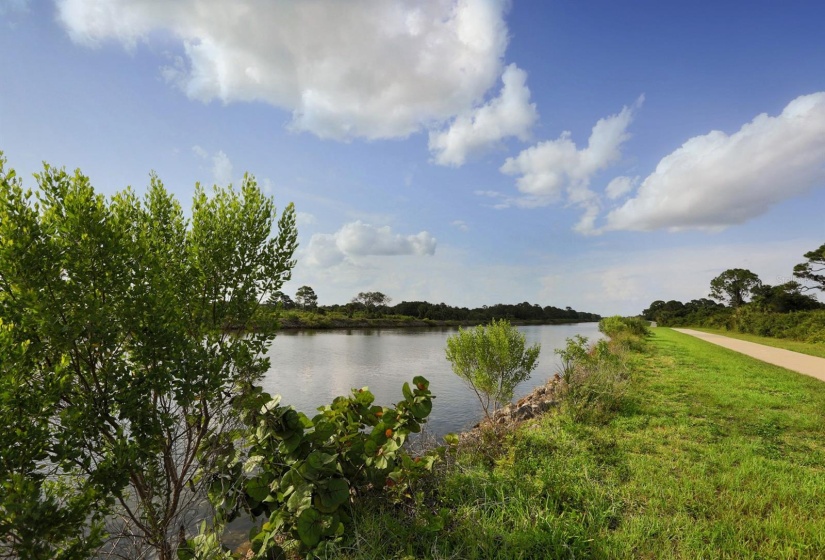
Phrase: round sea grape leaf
(422, 409)
(421, 383)
(391, 446)
(310, 527)
(257, 488)
(320, 460)
(331, 494)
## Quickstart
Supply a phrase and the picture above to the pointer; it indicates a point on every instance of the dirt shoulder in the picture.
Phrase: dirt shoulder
(794, 361)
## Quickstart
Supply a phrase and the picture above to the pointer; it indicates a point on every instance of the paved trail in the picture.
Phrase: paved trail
(794, 361)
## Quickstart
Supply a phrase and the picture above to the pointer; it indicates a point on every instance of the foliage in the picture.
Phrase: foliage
(280, 300)
(492, 360)
(371, 301)
(39, 516)
(594, 379)
(734, 286)
(671, 312)
(306, 298)
(783, 298)
(814, 269)
(617, 325)
(524, 311)
(121, 366)
(300, 474)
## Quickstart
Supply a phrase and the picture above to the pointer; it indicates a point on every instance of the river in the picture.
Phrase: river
(310, 368)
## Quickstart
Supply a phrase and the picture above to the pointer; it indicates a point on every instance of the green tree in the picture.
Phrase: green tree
(814, 269)
(118, 371)
(492, 360)
(372, 301)
(306, 298)
(734, 286)
(784, 298)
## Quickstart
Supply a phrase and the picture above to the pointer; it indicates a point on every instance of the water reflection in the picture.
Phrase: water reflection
(311, 368)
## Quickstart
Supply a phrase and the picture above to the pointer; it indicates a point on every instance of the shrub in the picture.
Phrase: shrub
(594, 380)
(492, 359)
(299, 475)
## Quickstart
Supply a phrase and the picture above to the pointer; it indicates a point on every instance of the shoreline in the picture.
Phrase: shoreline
(324, 324)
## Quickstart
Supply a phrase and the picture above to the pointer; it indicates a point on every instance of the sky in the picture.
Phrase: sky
(599, 155)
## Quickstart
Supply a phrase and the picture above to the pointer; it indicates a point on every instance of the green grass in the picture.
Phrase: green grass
(713, 455)
(810, 348)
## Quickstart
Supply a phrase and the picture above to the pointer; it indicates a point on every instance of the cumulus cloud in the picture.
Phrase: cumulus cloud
(717, 180)
(221, 165)
(200, 152)
(509, 114)
(343, 69)
(357, 239)
(557, 170)
(221, 168)
(620, 186)
(305, 219)
(460, 224)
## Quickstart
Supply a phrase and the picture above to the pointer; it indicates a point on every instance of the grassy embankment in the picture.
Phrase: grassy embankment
(712, 455)
(810, 348)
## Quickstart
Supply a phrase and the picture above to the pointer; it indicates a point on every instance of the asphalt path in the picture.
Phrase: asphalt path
(794, 361)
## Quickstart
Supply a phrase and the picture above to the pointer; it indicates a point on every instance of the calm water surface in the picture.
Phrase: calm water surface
(310, 368)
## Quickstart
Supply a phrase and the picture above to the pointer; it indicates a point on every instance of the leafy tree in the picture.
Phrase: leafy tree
(282, 299)
(306, 298)
(814, 269)
(655, 308)
(492, 360)
(734, 286)
(783, 298)
(117, 367)
(371, 301)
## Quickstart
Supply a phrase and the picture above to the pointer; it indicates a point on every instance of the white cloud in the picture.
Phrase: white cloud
(343, 69)
(460, 224)
(221, 168)
(556, 170)
(357, 239)
(627, 282)
(509, 114)
(200, 152)
(620, 186)
(305, 218)
(716, 180)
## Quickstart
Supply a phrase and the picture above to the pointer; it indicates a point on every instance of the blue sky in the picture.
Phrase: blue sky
(597, 154)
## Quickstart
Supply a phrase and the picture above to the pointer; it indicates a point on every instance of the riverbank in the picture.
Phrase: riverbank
(308, 321)
(712, 454)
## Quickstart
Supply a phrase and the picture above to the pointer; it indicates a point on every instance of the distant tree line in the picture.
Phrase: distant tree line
(519, 312)
(377, 304)
(740, 301)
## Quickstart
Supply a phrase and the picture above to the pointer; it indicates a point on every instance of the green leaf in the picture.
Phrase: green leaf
(422, 409)
(420, 382)
(310, 527)
(331, 494)
(301, 498)
(405, 389)
(257, 488)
